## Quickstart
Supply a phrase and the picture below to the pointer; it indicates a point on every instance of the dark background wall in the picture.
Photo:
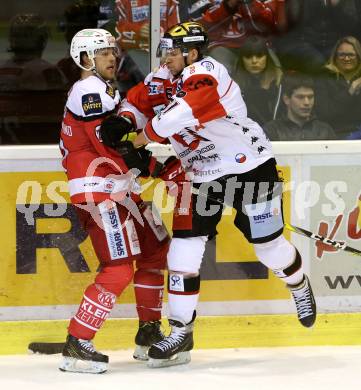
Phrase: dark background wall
(49, 9)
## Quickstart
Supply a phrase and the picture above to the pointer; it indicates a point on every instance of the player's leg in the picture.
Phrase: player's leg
(184, 262)
(116, 255)
(260, 218)
(149, 281)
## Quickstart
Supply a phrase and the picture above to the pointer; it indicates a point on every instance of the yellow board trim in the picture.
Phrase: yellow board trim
(210, 332)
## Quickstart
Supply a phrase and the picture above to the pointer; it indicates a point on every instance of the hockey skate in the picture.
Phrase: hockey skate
(305, 302)
(80, 356)
(173, 349)
(148, 333)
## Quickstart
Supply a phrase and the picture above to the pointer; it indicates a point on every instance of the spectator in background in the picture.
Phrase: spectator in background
(77, 16)
(92, 14)
(194, 9)
(340, 88)
(314, 27)
(258, 73)
(31, 89)
(230, 22)
(299, 124)
(132, 26)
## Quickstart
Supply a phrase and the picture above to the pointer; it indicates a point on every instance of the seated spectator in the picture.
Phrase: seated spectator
(340, 88)
(259, 74)
(31, 89)
(299, 124)
(230, 22)
(313, 28)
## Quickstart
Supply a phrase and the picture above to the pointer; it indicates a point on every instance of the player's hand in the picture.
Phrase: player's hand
(114, 129)
(138, 158)
(173, 174)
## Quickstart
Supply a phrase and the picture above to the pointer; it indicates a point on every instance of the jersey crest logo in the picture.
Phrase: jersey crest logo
(208, 65)
(110, 91)
(92, 103)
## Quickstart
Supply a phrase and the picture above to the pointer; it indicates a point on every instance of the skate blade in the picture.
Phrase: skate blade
(141, 353)
(69, 364)
(179, 358)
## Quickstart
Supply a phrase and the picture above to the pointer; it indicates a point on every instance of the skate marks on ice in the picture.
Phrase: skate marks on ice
(321, 368)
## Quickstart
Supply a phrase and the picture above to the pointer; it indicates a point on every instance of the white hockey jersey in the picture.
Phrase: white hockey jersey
(205, 118)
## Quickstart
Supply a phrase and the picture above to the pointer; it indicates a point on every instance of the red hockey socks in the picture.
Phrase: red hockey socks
(99, 299)
(148, 289)
(93, 311)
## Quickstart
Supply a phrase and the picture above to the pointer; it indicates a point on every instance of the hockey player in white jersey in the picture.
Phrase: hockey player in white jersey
(231, 160)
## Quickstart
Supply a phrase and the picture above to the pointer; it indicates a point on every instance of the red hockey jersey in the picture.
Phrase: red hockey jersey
(94, 171)
(256, 17)
(134, 14)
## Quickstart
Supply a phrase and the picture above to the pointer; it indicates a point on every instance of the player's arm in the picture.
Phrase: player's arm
(197, 103)
(130, 117)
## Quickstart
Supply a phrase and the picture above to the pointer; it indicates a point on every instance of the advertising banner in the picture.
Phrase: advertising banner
(47, 260)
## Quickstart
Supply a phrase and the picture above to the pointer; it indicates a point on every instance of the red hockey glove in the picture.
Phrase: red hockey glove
(173, 174)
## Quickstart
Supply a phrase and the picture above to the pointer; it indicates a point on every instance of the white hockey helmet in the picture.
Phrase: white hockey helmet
(89, 41)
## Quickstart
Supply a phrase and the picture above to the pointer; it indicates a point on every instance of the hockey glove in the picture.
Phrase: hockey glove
(139, 158)
(115, 128)
(173, 174)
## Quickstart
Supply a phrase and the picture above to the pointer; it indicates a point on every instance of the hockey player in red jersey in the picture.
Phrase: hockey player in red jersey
(134, 18)
(104, 192)
(231, 160)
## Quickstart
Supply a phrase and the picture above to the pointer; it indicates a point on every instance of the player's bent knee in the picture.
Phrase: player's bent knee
(277, 253)
(115, 278)
(185, 254)
(281, 257)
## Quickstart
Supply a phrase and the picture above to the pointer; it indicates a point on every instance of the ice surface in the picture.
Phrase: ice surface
(292, 368)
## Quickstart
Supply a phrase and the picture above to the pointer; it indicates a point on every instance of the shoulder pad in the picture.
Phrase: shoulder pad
(207, 66)
(92, 97)
(159, 73)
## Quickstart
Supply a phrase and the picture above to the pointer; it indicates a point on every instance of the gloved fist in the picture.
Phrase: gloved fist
(139, 158)
(174, 174)
(115, 128)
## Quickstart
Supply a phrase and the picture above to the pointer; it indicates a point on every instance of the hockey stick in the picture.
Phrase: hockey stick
(53, 348)
(46, 348)
(303, 232)
(335, 244)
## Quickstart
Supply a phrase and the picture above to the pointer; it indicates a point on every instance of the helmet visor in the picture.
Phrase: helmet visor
(166, 47)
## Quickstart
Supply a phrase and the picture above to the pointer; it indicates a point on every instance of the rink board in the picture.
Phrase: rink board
(210, 332)
(47, 261)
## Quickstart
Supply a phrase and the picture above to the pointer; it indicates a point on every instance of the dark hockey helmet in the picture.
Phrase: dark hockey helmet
(187, 35)
(28, 33)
